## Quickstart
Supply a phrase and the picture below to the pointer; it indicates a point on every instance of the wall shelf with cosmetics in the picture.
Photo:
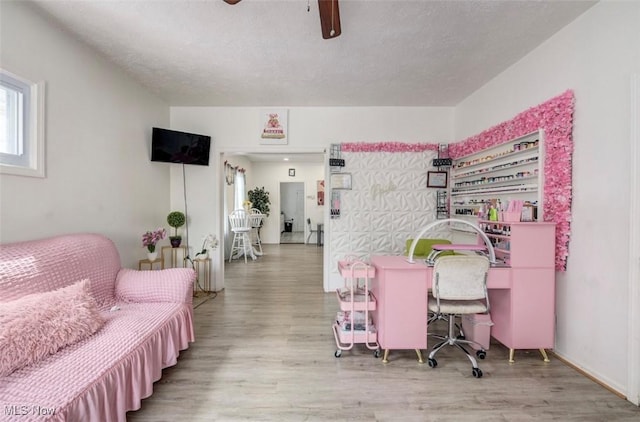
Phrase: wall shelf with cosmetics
(500, 178)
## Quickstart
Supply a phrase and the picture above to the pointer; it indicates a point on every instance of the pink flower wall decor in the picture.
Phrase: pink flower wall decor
(386, 147)
(555, 118)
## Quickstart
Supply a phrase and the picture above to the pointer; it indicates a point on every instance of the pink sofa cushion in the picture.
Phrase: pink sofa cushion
(38, 325)
(170, 285)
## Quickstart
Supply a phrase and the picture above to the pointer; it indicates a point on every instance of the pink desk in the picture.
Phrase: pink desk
(522, 305)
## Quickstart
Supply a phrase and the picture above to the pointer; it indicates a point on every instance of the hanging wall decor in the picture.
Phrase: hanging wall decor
(555, 118)
(341, 181)
(229, 173)
(273, 127)
(320, 185)
(436, 179)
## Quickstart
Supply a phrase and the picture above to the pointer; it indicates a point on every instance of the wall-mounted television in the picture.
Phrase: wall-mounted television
(171, 146)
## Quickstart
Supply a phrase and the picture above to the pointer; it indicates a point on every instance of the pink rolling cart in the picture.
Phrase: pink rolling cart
(353, 322)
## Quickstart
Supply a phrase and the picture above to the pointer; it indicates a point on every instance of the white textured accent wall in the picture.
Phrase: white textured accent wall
(388, 203)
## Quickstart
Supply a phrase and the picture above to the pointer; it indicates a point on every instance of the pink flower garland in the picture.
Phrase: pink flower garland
(386, 147)
(555, 118)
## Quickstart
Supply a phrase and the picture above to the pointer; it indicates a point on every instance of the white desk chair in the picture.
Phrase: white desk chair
(311, 231)
(239, 222)
(459, 287)
(255, 222)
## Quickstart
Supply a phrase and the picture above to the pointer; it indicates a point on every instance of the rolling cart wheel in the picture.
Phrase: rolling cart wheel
(481, 354)
(477, 372)
(338, 353)
(376, 353)
(432, 363)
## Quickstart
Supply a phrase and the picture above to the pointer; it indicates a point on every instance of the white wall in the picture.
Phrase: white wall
(595, 56)
(98, 130)
(311, 129)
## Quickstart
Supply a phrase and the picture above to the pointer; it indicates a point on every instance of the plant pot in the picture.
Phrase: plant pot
(151, 256)
(175, 241)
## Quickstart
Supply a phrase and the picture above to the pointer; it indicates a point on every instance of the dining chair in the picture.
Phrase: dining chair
(239, 223)
(255, 222)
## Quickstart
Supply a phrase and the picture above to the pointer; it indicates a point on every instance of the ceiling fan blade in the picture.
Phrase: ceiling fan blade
(329, 18)
(232, 1)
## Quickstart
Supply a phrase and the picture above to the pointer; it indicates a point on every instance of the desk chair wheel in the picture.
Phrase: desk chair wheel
(477, 373)
(376, 353)
(481, 354)
(338, 353)
(432, 363)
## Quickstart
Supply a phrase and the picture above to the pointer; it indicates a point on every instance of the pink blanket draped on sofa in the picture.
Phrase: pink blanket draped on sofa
(148, 320)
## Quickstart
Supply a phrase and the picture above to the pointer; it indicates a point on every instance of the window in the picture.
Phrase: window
(240, 194)
(21, 126)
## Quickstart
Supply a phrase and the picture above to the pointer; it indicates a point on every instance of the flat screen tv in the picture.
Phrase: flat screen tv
(171, 146)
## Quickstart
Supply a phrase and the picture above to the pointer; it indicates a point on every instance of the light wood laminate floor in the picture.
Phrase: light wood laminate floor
(264, 351)
(292, 237)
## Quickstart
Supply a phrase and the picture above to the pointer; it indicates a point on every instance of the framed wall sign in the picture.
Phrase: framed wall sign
(437, 179)
(292, 172)
(341, 181)
(273, 127)
(320, 185)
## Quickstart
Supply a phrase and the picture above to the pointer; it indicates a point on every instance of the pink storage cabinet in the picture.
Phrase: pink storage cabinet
(524, 315)
(354, 323)
(401, 315)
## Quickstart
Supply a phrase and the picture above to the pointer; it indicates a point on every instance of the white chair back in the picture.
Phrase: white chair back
(238, 220)
(460, 277)
(255, 217)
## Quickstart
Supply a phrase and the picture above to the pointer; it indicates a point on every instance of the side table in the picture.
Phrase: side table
(202, 265)
(158, 260)
(173, 261)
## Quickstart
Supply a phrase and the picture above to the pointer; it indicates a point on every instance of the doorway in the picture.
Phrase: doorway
(269, 170)
(291, 212)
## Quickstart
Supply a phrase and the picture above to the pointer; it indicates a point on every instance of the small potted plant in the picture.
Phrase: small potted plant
(176, 219)
(259, 199)
(208, 243)
(150, 239)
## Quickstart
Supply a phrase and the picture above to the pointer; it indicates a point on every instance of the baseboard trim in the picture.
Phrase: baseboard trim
(588, 375)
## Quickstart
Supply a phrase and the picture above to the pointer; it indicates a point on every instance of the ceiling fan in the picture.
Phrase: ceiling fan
(329, 17)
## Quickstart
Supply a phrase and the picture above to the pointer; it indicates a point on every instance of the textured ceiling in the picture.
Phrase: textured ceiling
(271, 52)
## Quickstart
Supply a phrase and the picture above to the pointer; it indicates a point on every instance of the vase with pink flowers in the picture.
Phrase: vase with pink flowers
(150, 239)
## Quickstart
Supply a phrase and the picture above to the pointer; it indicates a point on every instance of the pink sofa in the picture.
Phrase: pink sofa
(144, 320)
